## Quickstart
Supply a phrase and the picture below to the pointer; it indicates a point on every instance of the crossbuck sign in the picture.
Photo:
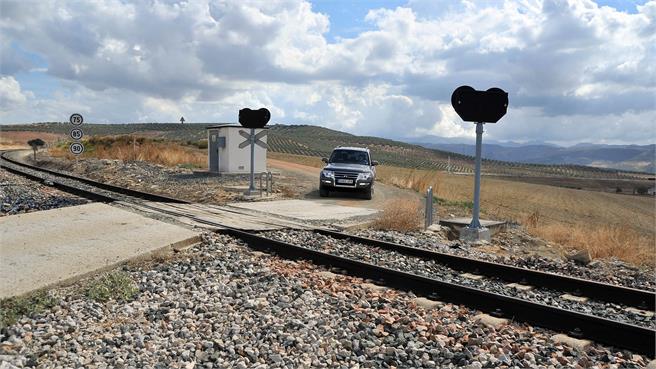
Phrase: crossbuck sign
(252, 138)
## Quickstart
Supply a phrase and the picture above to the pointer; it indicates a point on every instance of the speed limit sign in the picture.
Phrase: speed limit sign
(76, 133)
(76, 119)
(76, 148)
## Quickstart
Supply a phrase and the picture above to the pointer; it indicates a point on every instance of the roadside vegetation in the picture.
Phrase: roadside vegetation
(188, 154)
(116, 285)
(400, 215)
(13, 308)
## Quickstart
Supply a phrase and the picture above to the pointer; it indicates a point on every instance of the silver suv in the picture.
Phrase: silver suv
(348, 169)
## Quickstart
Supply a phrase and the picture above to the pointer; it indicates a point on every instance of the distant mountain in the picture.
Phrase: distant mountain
(624, 157)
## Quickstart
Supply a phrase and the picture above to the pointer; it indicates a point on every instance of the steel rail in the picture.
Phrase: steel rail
(94, 196)
(628, 336)
(624, 335)
(581, 287)
(124, 191)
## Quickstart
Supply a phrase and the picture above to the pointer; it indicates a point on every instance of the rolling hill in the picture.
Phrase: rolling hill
(624, 157)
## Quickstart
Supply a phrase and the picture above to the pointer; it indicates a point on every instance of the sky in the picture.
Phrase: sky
(575, 70)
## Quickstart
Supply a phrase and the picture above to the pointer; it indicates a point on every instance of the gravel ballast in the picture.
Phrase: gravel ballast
(21, 195)
(605, 271)
(435, 270)
(220, 305)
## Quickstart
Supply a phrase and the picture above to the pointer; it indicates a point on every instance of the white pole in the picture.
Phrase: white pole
(475, 223)
(251, 188)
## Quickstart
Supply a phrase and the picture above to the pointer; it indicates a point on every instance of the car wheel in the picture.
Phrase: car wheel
(323, 192)
(368, 193)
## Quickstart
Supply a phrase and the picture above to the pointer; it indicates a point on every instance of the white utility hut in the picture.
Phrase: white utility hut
(223, 152)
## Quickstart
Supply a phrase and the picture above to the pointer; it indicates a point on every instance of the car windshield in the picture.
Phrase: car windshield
(349, 157)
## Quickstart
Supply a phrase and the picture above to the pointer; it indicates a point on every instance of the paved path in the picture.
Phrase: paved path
(61, 245)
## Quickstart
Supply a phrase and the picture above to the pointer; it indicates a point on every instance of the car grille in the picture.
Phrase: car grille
(349, 175)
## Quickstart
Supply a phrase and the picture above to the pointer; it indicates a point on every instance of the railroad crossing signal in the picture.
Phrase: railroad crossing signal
(256, 139)
(249, 118)
(479, 107)
(76, 148)
(253, 119)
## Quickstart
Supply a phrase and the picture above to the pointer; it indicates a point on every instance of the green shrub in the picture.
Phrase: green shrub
(113, 286)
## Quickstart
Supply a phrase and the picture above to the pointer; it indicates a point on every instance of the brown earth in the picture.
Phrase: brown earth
(18, 139)
(304, 182)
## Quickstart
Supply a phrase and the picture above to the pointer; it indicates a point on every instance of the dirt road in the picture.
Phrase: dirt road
(306, 183)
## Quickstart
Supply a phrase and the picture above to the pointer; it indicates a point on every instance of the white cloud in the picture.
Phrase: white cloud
(11, 95)
(561, 61)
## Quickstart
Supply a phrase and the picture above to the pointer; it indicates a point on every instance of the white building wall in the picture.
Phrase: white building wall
(232, 159)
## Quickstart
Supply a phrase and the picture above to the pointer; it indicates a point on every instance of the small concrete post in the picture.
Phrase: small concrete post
(475, 232)
(270, 176)
(428, 216)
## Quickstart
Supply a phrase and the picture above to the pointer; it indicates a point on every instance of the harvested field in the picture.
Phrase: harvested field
(18, 139)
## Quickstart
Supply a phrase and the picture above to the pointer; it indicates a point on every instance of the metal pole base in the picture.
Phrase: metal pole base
(251, 192)
(469, 234)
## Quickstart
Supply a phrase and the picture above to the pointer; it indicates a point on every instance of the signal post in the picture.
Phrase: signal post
(479, 107)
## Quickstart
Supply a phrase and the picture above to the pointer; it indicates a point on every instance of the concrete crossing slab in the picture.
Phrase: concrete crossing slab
(306, 210)
(57, 246)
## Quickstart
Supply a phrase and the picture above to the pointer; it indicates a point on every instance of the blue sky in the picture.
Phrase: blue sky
(576, 71)
(347, 17)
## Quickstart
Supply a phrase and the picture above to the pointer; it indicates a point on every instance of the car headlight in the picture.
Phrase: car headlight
(328, 174)
(364, 176)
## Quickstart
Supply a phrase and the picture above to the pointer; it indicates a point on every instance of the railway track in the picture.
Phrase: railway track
(606, 330)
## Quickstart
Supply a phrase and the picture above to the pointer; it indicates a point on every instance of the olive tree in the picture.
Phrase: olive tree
(35, 144)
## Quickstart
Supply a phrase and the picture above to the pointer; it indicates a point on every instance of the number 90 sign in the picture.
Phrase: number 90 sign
(76, 148)
(76, 119)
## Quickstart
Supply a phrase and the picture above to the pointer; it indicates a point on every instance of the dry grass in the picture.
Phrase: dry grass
(129, 148)
(418, 180)
(602, 242)
(606, 224)
(400, 215)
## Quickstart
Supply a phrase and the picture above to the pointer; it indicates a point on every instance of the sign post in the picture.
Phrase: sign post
(253, 119)
(479, 107)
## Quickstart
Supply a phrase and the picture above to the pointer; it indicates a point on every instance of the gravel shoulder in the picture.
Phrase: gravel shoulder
(221, 305)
